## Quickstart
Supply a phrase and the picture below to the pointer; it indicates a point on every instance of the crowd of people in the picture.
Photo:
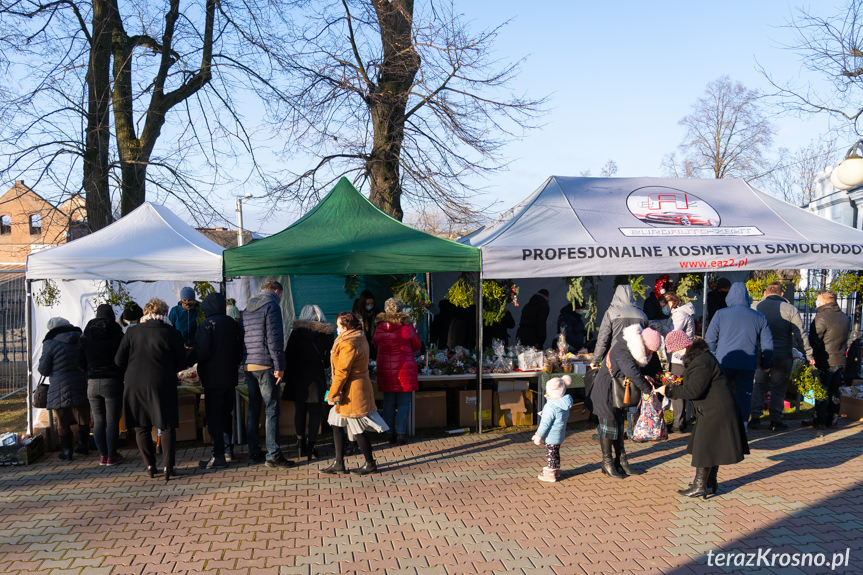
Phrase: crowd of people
(129, 365)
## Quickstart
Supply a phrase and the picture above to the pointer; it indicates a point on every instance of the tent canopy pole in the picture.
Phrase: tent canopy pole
(479, 351)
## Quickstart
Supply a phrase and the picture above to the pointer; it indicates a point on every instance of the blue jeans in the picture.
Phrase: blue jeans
(397, 409)
(827, 410)
(262, 387)
(741, 382)
(106, 403)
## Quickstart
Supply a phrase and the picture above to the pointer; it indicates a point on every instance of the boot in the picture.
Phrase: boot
(548, 475)
(699, 486)
(65, 447)
(301, 446)
(620, 461)
(369, 467)
(83, 442)
(311, 452)
(712, 482)
(607, 459)
(335, 467)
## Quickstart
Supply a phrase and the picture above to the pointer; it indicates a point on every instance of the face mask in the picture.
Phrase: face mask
(666, 311)
(338, 332)
(370, 307)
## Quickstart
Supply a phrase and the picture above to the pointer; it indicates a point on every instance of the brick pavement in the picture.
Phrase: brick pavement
(467, 504)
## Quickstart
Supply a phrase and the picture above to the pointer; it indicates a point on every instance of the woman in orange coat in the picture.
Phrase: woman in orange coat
(352, 395)
(396, 341)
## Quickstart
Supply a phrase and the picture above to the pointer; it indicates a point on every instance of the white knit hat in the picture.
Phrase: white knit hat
(556, 387)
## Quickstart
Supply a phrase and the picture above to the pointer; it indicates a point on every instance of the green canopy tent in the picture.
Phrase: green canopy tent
(346, 234)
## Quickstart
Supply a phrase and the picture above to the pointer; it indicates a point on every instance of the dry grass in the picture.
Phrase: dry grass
(13, 413)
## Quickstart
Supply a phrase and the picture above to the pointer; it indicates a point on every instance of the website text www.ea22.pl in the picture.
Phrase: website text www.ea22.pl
(728, 263)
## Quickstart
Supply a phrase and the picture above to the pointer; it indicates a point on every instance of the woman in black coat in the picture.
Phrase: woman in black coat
(719, 437)
(218, 352)
(307, 355)
(67, 389)
(630, 353)
(152, 353)
(98, 346)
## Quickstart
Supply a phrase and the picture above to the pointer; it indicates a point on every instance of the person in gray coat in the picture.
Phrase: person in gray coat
(67, 389)
(787, 329)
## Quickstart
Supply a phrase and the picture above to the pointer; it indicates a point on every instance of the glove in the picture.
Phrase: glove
(537, 439)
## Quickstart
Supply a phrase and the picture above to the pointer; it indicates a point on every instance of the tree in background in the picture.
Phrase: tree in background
(727, 134)
(96, 84)
(409, 101)
(793, 179)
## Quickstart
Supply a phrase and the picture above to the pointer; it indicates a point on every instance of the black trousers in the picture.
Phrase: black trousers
(144, 438)
(312, 412)
(219, 405)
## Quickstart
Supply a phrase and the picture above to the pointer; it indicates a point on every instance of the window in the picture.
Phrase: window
(35, 225)
(5, 225)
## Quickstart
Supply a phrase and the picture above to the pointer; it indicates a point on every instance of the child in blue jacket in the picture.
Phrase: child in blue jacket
(552, 425)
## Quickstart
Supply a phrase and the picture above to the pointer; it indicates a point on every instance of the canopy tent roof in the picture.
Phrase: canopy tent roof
(346, 234)
(149, 244)
(615, 226)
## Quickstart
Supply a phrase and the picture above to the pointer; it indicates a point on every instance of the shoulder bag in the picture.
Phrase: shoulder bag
(624, 394)
(40, 394)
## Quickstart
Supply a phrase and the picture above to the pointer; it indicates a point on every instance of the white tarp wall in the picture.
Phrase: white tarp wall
(615, 226)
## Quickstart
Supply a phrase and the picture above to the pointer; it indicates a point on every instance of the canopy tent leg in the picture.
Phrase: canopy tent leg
(28, 321)
(479, 352)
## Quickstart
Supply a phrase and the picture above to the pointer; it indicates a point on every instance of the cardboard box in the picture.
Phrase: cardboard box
(514, 408)
(512, 385)
(467, 408)
(24, 453)
(188, 408)
(429, 409)
(851, 408)
(578, 412)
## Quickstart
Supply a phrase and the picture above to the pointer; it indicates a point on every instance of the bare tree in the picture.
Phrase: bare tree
(726, 135)
(608, 169)
(104, 87)
(830, 47)
(793, 179)
(434, 221)
(409, 101)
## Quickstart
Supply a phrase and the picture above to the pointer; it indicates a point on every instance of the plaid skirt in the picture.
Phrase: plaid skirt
(611, 428)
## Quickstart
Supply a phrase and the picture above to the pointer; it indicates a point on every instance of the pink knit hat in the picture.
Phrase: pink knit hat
(651, 338)
(556, 388)
(676, 340)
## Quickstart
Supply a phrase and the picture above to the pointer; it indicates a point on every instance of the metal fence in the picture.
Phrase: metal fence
(804, 299)
(13, 335)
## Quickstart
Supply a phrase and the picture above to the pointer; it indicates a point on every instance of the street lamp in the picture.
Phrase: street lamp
(849, 173)
(246, 196)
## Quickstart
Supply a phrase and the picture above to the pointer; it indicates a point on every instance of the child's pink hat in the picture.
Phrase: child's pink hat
(556, 387)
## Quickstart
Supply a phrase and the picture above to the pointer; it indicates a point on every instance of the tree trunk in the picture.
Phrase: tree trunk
(97, 193)
(387, 103)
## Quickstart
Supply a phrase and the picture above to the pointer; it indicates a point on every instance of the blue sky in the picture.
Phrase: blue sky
(620, 75)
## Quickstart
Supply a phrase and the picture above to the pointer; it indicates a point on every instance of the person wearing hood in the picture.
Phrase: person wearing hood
(629, 356)
(396, 341)
(366, 310)
(621, 313)
(740, 337)
(97, 348)
(682, 319)
(67, 389)
(787, 330)
(719, 437)
(218, 352)
(264, 358)
(308, 354)
(152, 353)
(532, 325)
(186, 315)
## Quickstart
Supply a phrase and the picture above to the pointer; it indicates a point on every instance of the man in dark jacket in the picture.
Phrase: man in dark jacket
(185, 316)
(787, 330)
(716, 297)
(264, 358)
(218, 351)
(532, 327)
(570, 323)
(735, 336)
(828, 334)
(98, 346)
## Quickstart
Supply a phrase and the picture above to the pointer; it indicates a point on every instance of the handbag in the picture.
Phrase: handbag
(40, 394)
(624, 394)
(651, 424)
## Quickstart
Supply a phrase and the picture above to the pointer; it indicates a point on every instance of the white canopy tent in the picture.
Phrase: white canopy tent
(615, 226)
(151, 247)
